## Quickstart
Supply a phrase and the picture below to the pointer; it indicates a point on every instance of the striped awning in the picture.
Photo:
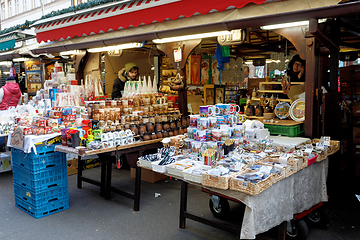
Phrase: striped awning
(117, 16)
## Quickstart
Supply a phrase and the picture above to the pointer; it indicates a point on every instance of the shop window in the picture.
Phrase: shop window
(3, 11)
(10, 9)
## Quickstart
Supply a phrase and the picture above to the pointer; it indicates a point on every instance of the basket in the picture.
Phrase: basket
(277, 176)
(289, 131)
(248, 187)
(42, 161)
(39, 198)
(42, 179)
(221, 182)
(177, 168)
(333, 148)
(43, 210)
(302, 162)
(143, 163)
(312, 160)
(195, 178)
(157, 168)
(290, 168)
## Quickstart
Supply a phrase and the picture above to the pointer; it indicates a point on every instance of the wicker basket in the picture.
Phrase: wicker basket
(221, 182)
(286, 171)
(333, 148)
(292, 165)
(195, 178)
(174, 168)
(302, 162)
(248, 187)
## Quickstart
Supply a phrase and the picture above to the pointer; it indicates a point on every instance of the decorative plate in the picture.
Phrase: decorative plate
(297, 110)
(282, 110)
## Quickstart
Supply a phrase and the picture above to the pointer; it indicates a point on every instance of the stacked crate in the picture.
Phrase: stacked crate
(40, 181)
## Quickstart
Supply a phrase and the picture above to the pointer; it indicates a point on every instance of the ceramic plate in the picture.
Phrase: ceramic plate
(297, 110)
(282, 110)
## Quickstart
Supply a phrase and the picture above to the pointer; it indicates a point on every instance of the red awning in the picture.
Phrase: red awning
(133, 14)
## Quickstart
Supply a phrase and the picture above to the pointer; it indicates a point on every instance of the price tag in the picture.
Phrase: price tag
(283, 158)
(309, 148)
(320, 145)
(326, 141)
(177, 55)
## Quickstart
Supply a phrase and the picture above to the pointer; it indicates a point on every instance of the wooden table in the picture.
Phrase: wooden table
(132, 152)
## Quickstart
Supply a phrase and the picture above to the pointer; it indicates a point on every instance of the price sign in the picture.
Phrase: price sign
(17, 138)
(177, 55)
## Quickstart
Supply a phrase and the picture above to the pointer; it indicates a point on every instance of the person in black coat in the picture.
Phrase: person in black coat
(129, 73)
(295, 73)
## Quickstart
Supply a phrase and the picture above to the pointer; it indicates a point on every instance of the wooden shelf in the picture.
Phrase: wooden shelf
(270, 91)
(276, 83)
(280, 99)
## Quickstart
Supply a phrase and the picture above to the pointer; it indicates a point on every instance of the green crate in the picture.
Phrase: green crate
(242, 101)
(289, 131)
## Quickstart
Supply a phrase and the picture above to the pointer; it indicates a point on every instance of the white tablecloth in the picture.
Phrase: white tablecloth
(31, 140)
(280, 202)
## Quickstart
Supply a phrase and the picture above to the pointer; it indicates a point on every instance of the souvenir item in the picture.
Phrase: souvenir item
(297, 110)
(282, 110)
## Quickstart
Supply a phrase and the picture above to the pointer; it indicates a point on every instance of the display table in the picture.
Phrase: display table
(132, 152)
(273, 206)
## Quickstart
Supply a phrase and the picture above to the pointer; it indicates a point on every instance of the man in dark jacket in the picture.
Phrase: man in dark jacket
(129, 73)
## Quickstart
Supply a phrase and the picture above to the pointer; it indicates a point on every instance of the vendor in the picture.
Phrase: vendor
(295, 73)
(10, 94)
(129, 73)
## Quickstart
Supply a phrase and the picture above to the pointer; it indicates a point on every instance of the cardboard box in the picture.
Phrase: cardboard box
(72, 166)
(356, 134)
(5, 163)
(148, 175)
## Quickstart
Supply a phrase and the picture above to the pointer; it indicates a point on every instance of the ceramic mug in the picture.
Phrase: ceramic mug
(117, 142)
(204, 111)
(234, 108)
(116, 135)
(123, 141)
(110, 136)
(213, 110)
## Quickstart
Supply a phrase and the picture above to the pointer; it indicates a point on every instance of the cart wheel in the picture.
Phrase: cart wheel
(298, 230)
(223, 209)
(318, 218)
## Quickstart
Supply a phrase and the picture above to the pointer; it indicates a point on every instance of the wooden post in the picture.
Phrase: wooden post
(186, 48)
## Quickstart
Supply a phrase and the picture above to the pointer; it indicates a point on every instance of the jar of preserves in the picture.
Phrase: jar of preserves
(150, 127)
(159, 134)
(181, 131)
(158, 126)
(172, 125)
(146, 136)
(178, 123)
(165, 133)
(142, 128)
(166, 126)
(183, 121)
(164, 118)
(176, 131)
(153, 136)
(152, 119)
(171, 133)
(134, 128)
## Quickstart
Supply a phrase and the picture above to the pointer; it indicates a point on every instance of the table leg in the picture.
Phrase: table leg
(103, 176)
(183, 203)
(282, 231)
(80, 168)
(137, 189)
(108, 164)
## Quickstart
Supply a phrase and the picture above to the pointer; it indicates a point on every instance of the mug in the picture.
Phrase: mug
(111, 144)
(104, 137)
(123, 141)
(241, 118)
(122, 134)
(213, 110)
(94, 124)
(97, 133)
(129, 133)
(222, 108)
(130, 139)
(220, 120)
(230, 119)
(117, 142)
(204, 111)
(110, 136)
(212, 122)
(116, 135)
(234, 108)
(203, 123)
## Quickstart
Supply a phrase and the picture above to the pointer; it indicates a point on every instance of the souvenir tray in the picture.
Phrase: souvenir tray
(282, 110)
(297, 110)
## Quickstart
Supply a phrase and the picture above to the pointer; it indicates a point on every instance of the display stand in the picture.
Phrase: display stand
(132, 152)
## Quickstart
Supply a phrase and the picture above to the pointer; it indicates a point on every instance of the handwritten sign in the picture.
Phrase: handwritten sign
(17, 138)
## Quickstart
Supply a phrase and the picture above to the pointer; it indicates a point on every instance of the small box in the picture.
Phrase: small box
(148, 175)
(5, 163)
(72, 166)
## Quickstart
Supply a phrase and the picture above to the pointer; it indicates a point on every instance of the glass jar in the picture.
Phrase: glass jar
(134, 128)
(102, 105)
(150, 126)
(118, 103)
(158, 118)
(153, 136)
(146, 136)
(108, 103)
(142, 128)
(96, 106)
(152, 119)
(181, 131)
(178, 123)
(183, 121)
(131, 102)
(145, 119)
(172, 125)
(158, 126)
(136, 102)
(164, 118)
(159, 134)
(176, 131)
(171, 133)
(166, 126)
(165, 133)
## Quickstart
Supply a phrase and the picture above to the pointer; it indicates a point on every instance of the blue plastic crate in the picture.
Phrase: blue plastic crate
(32, 162)
(41, 197)
(44, 210)
(44, 179)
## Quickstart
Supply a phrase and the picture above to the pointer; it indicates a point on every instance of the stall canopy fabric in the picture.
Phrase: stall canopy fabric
(7, 42)
(127, 15)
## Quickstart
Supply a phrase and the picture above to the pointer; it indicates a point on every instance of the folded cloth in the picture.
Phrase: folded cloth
(258, 124)
(249, 124)
(31, 140)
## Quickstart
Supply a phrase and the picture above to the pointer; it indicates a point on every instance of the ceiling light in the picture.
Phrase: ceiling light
(285, 25)
(189, 37)
(116, 47)
(20, 59)
(71, 52)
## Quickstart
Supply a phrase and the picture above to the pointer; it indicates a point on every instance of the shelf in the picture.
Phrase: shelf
(270, 91)
(302, 83)
(280, 99)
